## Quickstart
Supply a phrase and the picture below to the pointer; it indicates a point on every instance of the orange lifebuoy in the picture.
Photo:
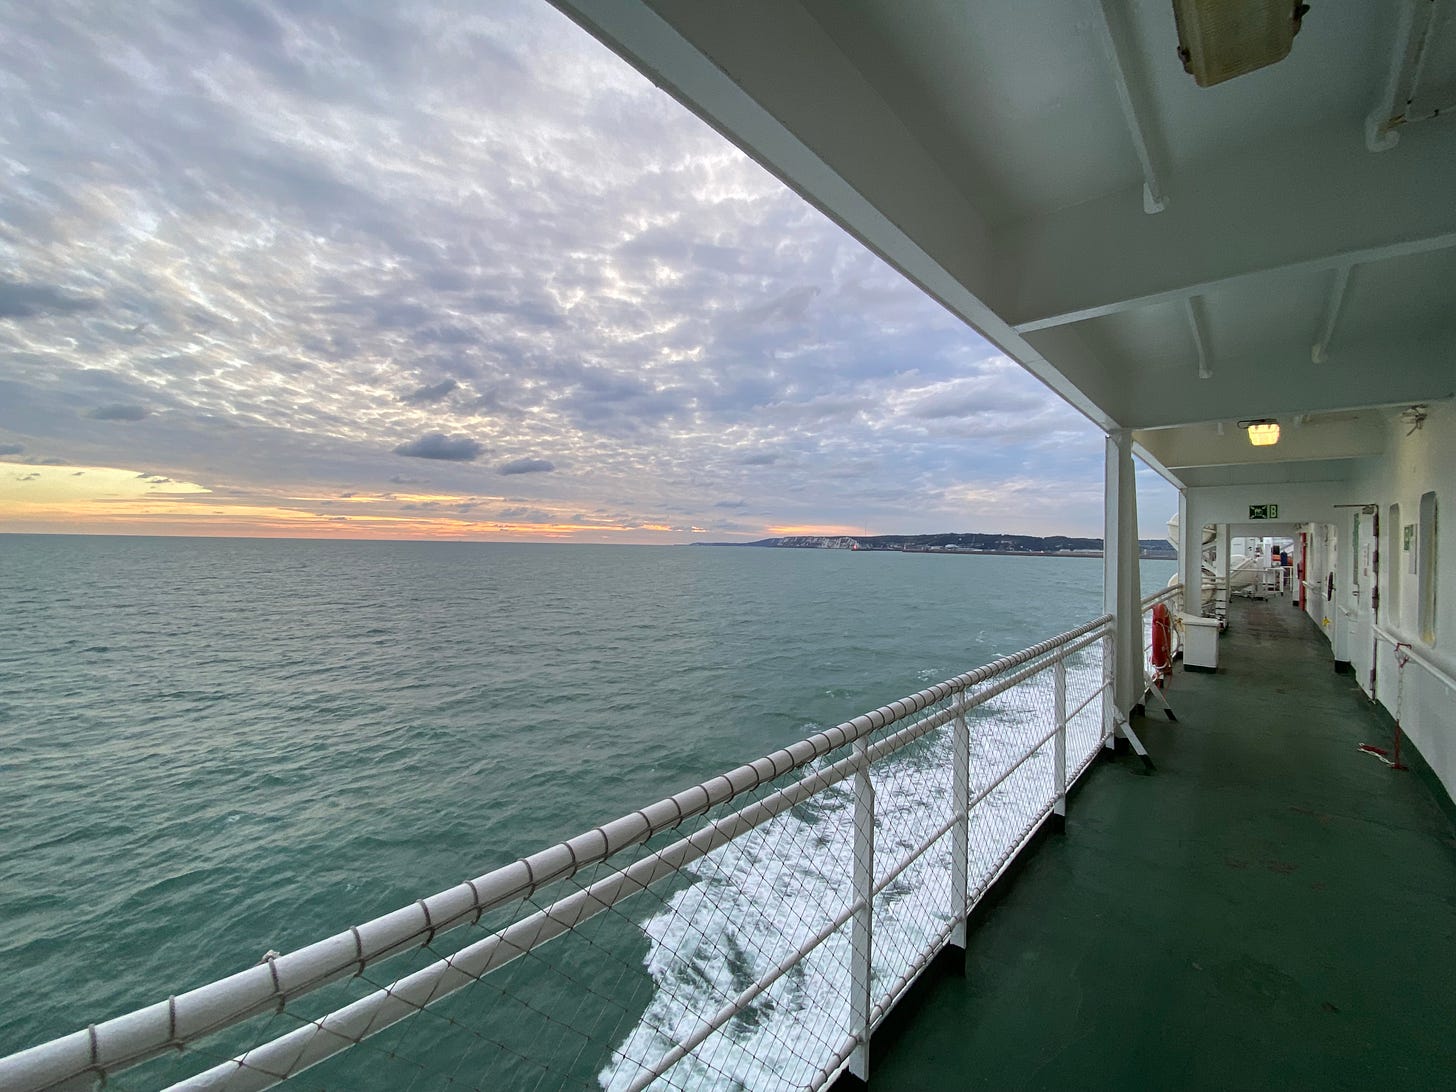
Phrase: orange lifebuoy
(1162, 639)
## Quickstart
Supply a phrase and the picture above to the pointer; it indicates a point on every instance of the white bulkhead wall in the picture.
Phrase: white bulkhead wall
(1422, 692)
(1299, 502)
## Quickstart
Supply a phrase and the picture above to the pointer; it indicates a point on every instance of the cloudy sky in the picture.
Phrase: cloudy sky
(454, 270)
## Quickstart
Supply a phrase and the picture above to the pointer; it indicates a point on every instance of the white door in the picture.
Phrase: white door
(1362, 587)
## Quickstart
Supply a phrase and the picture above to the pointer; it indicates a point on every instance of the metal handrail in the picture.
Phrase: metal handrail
(1416, 654)
(1163, 595)
(169, 1025)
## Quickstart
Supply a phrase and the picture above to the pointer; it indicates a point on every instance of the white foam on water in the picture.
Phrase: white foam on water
(763, 895)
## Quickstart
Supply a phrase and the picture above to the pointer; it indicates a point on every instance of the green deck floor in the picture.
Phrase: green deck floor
(1269, 909)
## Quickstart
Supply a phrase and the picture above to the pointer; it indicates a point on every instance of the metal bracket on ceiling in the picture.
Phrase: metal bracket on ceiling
(1132, 96)
(1193, 309)
(1338, 292)
(1412, 36)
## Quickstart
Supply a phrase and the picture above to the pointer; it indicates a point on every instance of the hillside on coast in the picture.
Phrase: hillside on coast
(959, 543)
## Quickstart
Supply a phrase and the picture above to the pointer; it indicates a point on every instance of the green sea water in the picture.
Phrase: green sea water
(214, 748)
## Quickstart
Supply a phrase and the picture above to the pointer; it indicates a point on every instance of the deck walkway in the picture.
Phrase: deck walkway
(1270, 909)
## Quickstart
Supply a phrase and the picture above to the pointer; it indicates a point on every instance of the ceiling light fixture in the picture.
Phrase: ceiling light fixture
(1263, 431)
(1221, 39)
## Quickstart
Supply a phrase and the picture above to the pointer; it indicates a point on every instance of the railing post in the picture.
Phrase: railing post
(862, 932)
(960, 842)
(1108, 724)
(1059, 709)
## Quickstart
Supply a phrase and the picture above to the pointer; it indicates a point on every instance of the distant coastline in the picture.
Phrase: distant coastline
(959, 543)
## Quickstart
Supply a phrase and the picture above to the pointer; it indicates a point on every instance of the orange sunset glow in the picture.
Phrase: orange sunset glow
(110, 500)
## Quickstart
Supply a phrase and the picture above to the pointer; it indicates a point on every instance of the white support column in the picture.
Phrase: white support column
(1121, 584)
(1190, 553)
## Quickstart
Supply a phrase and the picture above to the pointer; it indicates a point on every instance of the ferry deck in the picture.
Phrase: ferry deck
(1268, 908)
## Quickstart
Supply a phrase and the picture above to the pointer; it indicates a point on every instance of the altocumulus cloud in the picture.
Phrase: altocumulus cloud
(430, 393)
(527, 466)
(118, 411)
(19, 300)
(299, 248)
(436, 445)
(11, 449)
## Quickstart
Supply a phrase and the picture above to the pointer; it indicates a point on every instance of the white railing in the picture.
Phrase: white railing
(750, 931)
(1217, 599)
(1172, 596)
(1255, 581)
(1411, 651)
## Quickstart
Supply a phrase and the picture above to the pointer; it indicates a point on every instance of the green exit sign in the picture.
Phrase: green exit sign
(1263, 511)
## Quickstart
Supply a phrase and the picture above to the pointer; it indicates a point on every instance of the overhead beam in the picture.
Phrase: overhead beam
(1132, 97)
(1282, 385)
(1306, 205)
(768, 77)
(1313, 470)
(1150, 459)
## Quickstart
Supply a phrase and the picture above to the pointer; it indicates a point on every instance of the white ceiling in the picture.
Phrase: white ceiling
(1017, 99)
(1329, 79)
(1004, 133)
(998, 153)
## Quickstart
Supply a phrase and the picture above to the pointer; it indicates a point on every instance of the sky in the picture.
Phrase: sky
(456, 271)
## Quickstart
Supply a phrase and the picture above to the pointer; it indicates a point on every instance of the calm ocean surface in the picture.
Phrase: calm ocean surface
(212, 748)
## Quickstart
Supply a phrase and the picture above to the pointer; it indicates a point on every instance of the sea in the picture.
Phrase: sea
(215, 748)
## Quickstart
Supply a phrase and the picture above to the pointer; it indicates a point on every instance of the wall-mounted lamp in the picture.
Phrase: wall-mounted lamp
(1263, 431)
